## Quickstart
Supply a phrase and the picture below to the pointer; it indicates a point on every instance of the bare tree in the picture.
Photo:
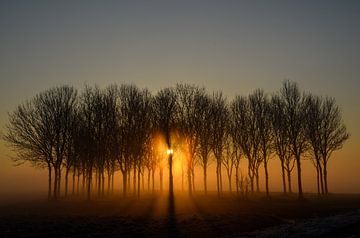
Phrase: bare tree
(281, 140)
(294, 107)
(260, 107)
(204, 132)
(245, 135)
(41, 128)
(111, 133)
(188, 122)
(103, 130)
(29, 134)
(230, 160)
(233, 133)
(219, 116)
(312, 129)
(143, 129)
(164, 113)
(87, 135)
(150, 161)
(326, 133)
(134, 118)
(72, 153)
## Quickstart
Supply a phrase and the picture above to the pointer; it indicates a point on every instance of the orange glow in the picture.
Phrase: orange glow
(179, 152)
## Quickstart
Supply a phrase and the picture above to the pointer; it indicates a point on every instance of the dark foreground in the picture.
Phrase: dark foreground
(200, 216)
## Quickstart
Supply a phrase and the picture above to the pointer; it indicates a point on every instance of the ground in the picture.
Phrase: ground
(199, 216)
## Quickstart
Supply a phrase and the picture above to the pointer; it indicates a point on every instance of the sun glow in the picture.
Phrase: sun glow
(178, 151)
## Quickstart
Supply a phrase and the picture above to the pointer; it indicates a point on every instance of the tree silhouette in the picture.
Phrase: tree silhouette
(28, 132)
(260, 106)
(246, 136)
(233, 148)
(219, 116)
(135, 125)
(165, 112)
(326, 133)
(231, 160)
(92, 135)
(312, 129)
(188, 122)
(204, 132)
(87, 123)
(333, 132)
(40, 130)
(294, 106)
(281, 140)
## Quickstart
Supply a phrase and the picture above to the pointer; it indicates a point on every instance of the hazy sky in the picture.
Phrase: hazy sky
(232, 46)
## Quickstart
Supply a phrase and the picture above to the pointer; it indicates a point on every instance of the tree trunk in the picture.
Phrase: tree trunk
(220, 178)
(171, 183)
(161, 180)
(205, 183)
(318, 178)
(99, 183)
(134, 179)
(142, 180)
(66, 181)
(95, 186)
(73, 182)
(124, 174)
(83, 181)
(283, 175)
(139, 181)
(89, 184)
(321, 178)
(289, 180)
(112, 181)
(189, 179)
(128, 172)
(153, 180)
(217, 179)
(325, 180)
(298, 165)
(55, 182)
(237, 179)
(102, 183)
(59, 182)
(78, 183)
(251, 177)
(229, 178)
(148, 180)
(49, 181)
(108, 183)
(193, 179)
(257, 181)
(266, 178)
(182, 177)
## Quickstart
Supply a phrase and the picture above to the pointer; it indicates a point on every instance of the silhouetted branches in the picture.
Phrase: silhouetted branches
(92, 135)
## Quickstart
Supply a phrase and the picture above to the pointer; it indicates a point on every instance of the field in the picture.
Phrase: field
(199, 216)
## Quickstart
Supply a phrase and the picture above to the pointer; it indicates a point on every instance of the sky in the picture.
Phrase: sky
(229, 46)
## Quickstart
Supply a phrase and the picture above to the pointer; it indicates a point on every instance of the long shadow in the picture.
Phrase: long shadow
(171, 227)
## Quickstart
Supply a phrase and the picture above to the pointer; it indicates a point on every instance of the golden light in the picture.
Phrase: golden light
(170, 151)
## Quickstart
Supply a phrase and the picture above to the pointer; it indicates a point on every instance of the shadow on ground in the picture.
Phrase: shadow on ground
(180, 216)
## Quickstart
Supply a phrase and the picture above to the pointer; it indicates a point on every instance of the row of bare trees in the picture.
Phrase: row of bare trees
(87, 137)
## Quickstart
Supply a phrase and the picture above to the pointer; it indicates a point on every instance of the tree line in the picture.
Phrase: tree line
(88, 136)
